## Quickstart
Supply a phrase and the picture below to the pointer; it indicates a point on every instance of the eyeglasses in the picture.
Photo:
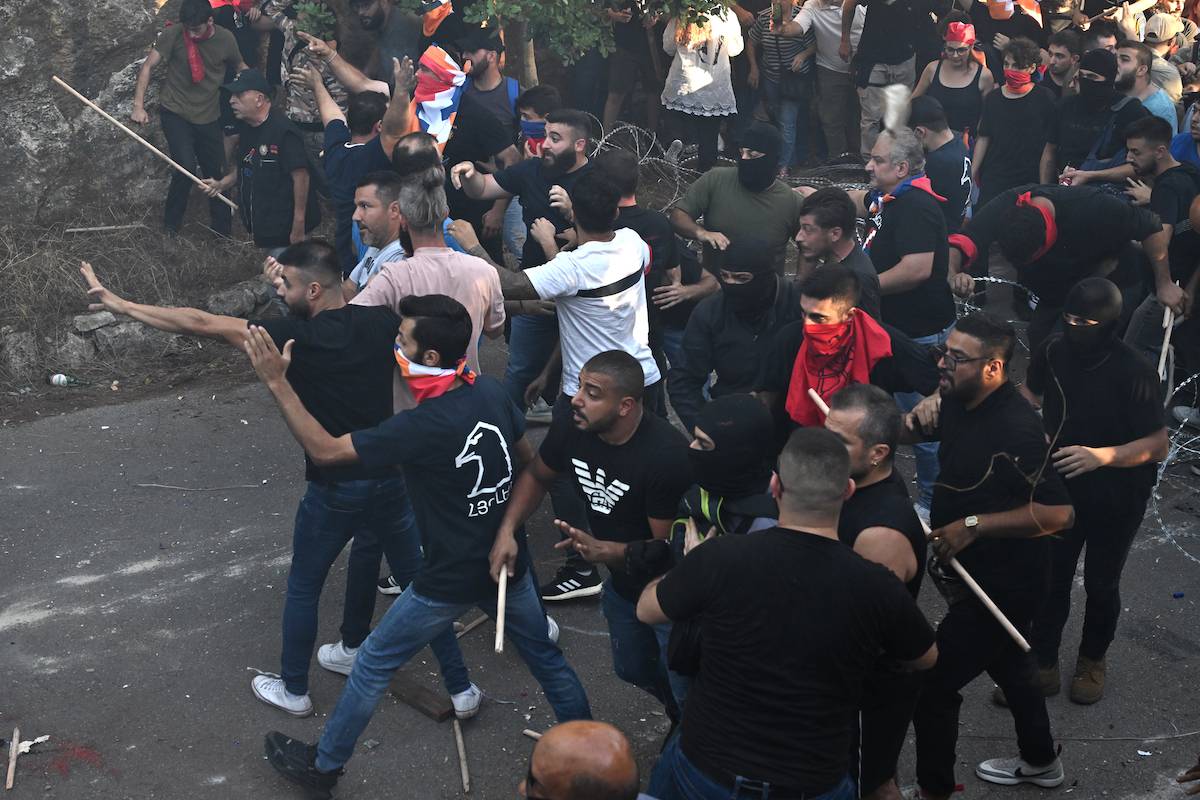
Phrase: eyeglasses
(940, 353)
(956, 51)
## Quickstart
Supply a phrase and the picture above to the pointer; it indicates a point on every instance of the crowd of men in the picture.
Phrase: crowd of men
(758, 563)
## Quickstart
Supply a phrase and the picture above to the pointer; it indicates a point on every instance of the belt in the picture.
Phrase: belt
(765, 788)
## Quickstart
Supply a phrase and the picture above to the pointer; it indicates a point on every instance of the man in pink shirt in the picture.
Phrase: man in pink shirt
(434, 268)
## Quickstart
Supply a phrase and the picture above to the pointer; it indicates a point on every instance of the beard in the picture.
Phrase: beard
(1124, 82)
(372, 22)
(557, 164)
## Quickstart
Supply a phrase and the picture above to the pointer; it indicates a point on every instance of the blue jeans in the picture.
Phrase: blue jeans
(792, 117)
(411, 623)
(639, 652)
(926, 453)
(531, 340)
(676, 778)
(514, 230)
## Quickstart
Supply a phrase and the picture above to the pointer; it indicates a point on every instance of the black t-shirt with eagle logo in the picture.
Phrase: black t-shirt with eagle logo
(623, 486)
(458, 452)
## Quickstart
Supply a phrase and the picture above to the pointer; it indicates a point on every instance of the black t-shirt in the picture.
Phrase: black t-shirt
(1076, 129)
(1171, 198)
(656, 231)
(528, 181)
(1016, 132)
(885, 504)
(459, 459)
(791, 623)
(949, 171)
(890, 31)
(994, 458)
(269, 153)
(1110, 404)
(477, 136)
(623, 485)
(1092, 226)
(1019, 24)
(630, 37)
(342, 365)
(913, 223)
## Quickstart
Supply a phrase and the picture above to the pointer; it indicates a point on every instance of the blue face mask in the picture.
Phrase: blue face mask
(533, 129)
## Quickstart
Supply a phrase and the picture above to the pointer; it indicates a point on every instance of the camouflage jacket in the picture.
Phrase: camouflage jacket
(299, 103)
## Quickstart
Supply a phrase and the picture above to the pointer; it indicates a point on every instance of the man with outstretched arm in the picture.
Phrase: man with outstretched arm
(343, 371)
(460, 449)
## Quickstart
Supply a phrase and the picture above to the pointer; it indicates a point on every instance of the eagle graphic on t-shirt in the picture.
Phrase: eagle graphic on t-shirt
(486, 448)
(602, 496)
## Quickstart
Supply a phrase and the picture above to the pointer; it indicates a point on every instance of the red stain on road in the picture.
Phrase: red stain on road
(71, 754)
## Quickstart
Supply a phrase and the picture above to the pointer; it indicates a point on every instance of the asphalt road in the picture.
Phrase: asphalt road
(133, 616)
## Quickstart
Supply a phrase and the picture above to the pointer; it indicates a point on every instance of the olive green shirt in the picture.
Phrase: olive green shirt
(195, 102)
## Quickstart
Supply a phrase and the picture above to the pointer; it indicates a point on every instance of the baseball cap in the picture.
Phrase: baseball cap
(1162, 28)
(483, 37)
(248, 80)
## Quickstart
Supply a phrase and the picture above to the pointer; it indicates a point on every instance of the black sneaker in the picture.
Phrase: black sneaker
(296, 761)
(569, 584)
(389, 585)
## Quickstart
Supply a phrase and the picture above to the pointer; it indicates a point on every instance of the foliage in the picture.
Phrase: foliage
(316, 18)
(570, 28)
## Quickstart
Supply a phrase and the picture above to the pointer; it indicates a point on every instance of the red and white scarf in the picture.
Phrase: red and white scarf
(429, 382)
(435, 102)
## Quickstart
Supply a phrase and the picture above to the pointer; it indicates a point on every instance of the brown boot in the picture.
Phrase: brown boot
(1049, 680)
(1087, 686)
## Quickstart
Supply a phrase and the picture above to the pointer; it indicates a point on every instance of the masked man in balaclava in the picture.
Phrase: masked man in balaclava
(729, 332)
(1103, 411)
(742, 201)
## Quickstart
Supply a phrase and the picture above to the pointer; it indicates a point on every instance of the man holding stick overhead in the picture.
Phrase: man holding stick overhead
(995, 502)
(196, 54)
(460, 449)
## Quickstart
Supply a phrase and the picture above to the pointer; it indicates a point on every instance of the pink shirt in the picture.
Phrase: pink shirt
(440, 270)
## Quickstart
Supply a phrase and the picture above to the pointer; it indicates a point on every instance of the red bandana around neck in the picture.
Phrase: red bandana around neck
(1018, 81)
(195, 62)
(832, 357)
(429, 382)
(1051, 227)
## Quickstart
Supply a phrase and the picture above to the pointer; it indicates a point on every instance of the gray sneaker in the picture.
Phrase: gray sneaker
(1011, 771)
(466, 703)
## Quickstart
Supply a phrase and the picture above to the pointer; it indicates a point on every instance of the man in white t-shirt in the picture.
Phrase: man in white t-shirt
(377, 215)
(600, 294)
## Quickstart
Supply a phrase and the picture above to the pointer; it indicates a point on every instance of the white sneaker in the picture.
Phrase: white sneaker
(273, 692)
(466, 704)
(540, 412)
(552, 629)
(1011, 771)
(337, 657)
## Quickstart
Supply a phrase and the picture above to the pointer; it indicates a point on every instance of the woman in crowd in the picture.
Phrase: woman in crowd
(698, 85)
(957, 80)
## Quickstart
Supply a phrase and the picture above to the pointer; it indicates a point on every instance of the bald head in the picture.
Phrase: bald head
(582, 761)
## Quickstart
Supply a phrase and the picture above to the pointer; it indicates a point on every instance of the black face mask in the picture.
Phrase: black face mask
(1096, 94)
(756, 174)
(1096, 299)
(742, 432)
(751, 298)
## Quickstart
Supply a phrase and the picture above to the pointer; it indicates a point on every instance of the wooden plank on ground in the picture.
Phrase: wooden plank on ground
(434, 705)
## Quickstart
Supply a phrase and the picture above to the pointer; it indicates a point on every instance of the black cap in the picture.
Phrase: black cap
(248, 80)
(480, 38)
(926, 111)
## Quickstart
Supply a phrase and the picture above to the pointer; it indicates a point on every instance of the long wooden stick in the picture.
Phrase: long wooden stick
(1169, 325)
(975, 588)
(14, 747)
(146, 144)
(501, 600)
(472, 625)
(462, 755)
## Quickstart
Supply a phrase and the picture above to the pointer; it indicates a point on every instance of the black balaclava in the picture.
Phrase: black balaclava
(742, 431)
(1098, 94)
(754, 298)
(1098, 299)
(757, 174)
